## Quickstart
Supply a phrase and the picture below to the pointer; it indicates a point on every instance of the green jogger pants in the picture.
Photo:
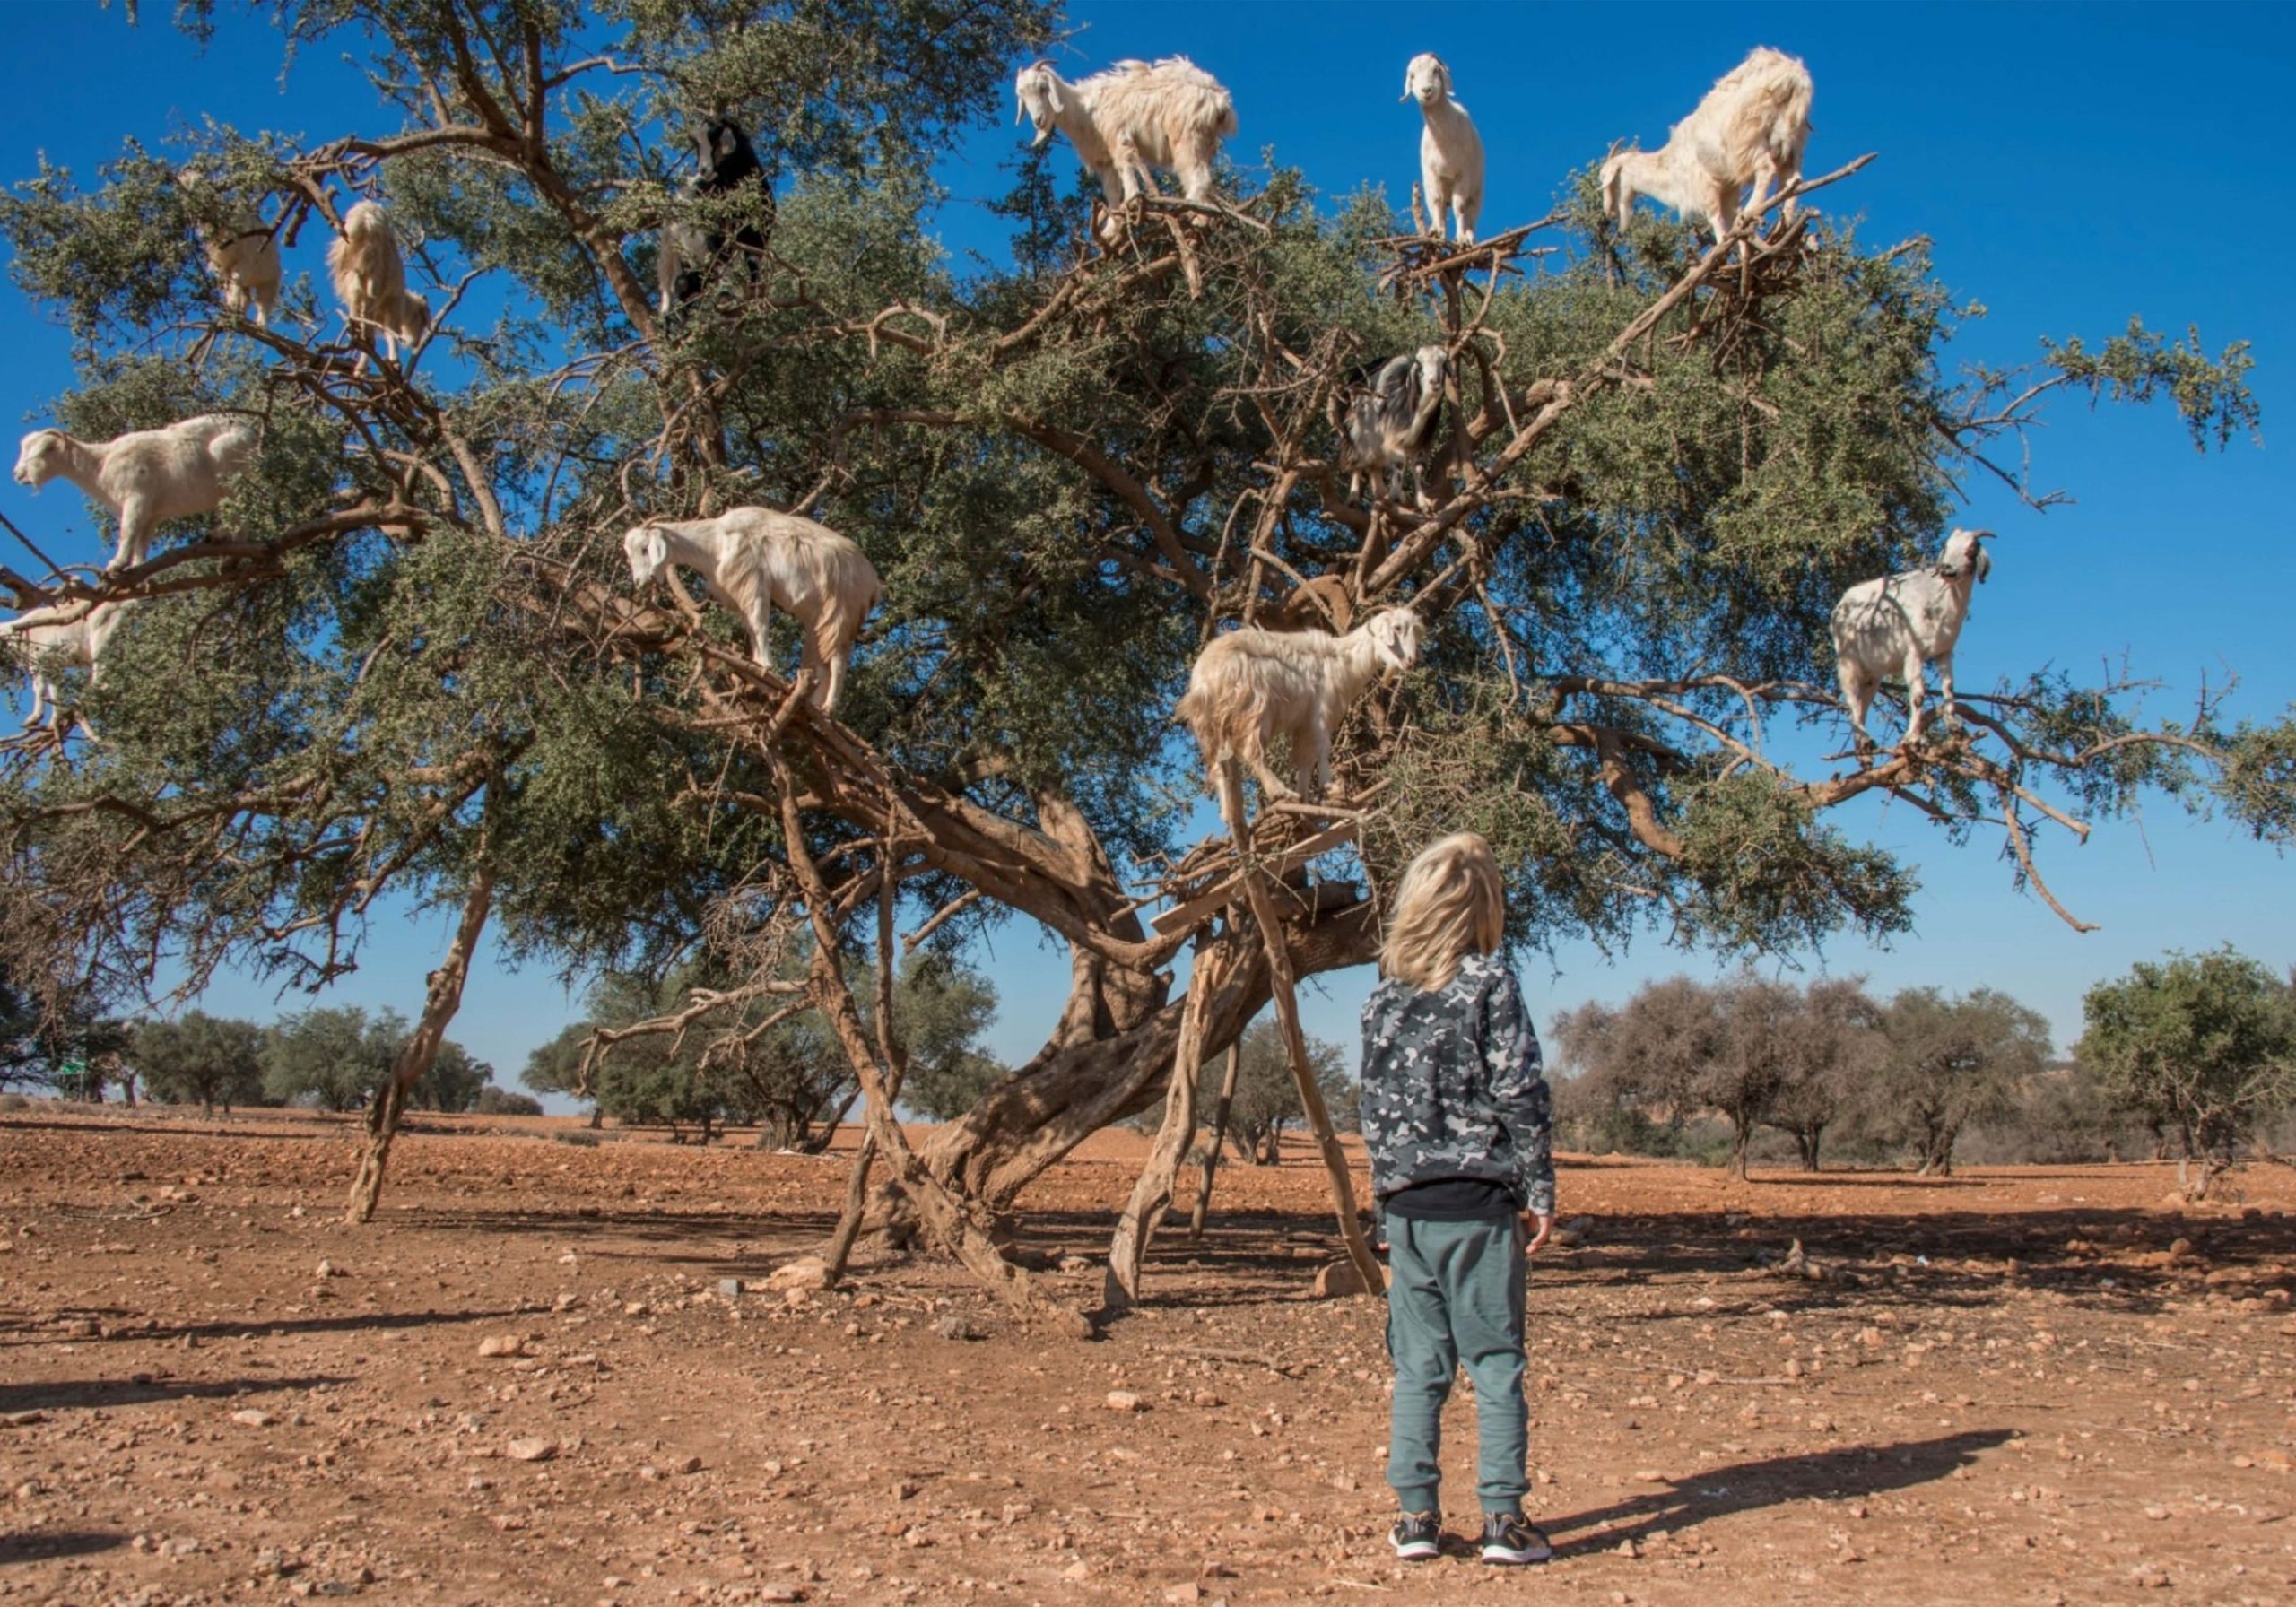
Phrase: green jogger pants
(1455, 1296)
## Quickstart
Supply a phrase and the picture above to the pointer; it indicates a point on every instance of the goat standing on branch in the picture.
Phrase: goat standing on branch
(1896, 625)
(728, 161)
(51, 644)
(1251, 686)
(1750, 129)
(753, 558)
(241, 250)
(1132, 118)
(1451, 152)
(147, 476)
(1390, 422)
(370, 281)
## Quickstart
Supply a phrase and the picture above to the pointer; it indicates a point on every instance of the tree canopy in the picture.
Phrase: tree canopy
(2201, 1044)
(402, 660)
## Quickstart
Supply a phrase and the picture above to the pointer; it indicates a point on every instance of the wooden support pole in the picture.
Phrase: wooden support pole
(1152, 1194)
(1219, 1137)
(1295, 1042)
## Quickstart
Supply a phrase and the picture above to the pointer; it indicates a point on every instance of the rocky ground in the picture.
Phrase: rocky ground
(523, 1384)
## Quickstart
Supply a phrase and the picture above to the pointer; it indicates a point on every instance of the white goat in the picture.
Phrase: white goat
(370, 281)
(1894, 625)
(246, 266)
(1451, 152)
(242, 251)
(51, 644)
(146, 477)
(1388, 420)
(1750, 129)
(753, 559)
(1135, 117)
(1251, 686)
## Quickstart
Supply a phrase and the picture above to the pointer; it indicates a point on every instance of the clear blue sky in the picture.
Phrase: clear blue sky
(2074, 165)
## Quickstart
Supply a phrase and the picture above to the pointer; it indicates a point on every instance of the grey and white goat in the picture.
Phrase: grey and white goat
(1387, 420)
(1894, 625)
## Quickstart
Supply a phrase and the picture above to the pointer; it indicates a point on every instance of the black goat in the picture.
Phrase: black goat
(728, 162)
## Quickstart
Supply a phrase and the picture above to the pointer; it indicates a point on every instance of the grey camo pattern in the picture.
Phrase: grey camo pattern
(1454, 1085)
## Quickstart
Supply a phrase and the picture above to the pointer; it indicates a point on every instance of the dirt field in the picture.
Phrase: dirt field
(2041, 1385)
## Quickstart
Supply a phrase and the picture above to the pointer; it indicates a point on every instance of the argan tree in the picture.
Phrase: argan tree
(403, 660)
(2202, 1045)
(1952, 1062)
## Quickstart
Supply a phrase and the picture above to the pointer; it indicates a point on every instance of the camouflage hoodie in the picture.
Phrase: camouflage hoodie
(1454, 1086)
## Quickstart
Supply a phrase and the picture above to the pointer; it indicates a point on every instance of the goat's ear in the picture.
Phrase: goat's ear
(1984, 565)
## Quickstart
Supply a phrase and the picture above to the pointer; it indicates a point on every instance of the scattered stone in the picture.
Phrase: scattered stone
(781, 1593)
(1078, 1569)
(806, 1272)
(1073, 1264)
(328, 1269)
(2145, 1576)
(1189, 1592)
(251, 1417)
(531, 1450)
(501, 1344)
(691, 1465)
(1337, 1279)
(730, 1288)
(22, 1420)
(954, 1326)
(1124, 1400)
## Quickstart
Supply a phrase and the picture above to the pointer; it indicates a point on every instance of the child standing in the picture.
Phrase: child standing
(1457, 1120)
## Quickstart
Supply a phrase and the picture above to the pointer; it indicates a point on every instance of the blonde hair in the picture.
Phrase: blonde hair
(1451, 906)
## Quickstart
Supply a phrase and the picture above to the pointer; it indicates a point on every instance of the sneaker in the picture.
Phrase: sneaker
(1509, 1541)
(1417, 1536)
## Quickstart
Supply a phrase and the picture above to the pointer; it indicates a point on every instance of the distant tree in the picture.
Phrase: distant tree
(332, 1056)
(1266, 1098)
(1952, 1062)
(1829, 1045)
(942, 1006)
(453, 1080)
(1759, 1052)
(215, 1060)
(501, 1101)
(336, 1056)
(2202, 1045)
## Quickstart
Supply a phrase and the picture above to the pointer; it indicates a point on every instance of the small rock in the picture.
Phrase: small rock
(501, 1344)
(1124, 1400)
(954, 1326)
(2145, 1575)
(328, 1269)
(1189, 1592)
(691, 1465)
(252, 1419)
(1078, 1569)
(781, 1593)
(1073, 1264)
(729, 1289)
(1337, 1279)
(806, 1272)
(531, 1450)
(22, 1420)
(566, 1301)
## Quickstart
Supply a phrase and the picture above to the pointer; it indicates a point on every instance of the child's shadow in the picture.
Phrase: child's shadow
(1843, 1472)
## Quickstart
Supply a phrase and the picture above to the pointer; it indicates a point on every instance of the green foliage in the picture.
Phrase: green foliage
(1759, 1052)
(212, 1060)
(501, 1101)
(1953, 1062)
(336, 1056)
(1267, 1097)
(2202, 1045)
(940, 1008)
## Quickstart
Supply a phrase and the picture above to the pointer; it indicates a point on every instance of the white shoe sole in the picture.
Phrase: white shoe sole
(1417, 1550)
(1506, 1557)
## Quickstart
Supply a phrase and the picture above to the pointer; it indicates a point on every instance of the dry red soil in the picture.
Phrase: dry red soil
(2033, 1385)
